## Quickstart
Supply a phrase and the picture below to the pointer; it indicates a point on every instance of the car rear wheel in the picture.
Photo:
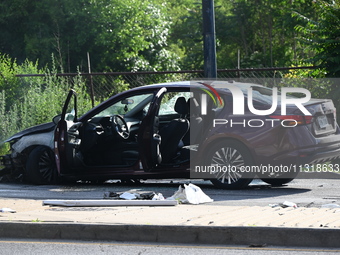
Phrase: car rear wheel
(41, 167)
(228, 159)
(278, 179)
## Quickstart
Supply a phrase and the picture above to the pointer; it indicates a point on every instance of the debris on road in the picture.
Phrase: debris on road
(129, 196)
(158, 196)
(121, 202)
(289, 204)
(7, 210)
(190, 194)
(285, 204)
(132, 196)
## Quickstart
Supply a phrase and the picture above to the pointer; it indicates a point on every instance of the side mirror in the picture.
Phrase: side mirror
(56, 119)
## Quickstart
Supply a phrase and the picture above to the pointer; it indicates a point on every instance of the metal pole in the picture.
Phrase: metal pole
(91, 79)
(208, 13)
(238, 59)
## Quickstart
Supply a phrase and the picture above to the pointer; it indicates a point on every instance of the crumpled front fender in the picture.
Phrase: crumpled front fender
(42, 128)
(17, 157)
(24, 142)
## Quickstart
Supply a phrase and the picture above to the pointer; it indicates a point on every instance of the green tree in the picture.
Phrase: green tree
(14, 86)
(37, 29)
(126, 35)
(137, 35)
(132, 36)
(322, 36)
(186, 37)
(262, 30)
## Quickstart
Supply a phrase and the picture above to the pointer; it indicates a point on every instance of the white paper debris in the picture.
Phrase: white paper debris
(7, 210)
(289, 204)
(158, 196)
(128, 196)
(179, 195)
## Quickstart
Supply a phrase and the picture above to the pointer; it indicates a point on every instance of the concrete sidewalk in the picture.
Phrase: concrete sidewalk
(204, 223)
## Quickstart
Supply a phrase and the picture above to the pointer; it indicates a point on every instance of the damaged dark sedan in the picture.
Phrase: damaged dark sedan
(173, 130)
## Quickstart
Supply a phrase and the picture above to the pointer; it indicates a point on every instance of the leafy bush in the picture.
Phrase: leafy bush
(26, 102)
(16, 87)
(321, 35)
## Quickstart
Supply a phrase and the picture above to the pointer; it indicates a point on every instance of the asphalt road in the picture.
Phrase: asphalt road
(36, 247)
(309, 192)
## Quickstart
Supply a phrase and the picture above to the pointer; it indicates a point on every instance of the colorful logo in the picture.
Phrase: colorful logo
(211, 95)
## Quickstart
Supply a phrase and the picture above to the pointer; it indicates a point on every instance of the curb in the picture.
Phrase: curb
(300, 237)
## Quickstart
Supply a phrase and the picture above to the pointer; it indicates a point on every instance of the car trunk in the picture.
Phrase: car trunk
(324, 116)
(322, 121)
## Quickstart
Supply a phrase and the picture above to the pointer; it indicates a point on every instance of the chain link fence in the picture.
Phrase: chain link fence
(103, 85)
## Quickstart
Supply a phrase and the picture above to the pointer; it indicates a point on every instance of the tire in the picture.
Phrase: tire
(277, 182)
(233, 155)
(41, 167)
(278, 179)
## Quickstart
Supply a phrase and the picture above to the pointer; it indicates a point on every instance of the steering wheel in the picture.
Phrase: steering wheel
(120, 126)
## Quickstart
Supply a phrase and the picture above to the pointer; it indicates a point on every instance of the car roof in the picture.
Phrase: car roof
(178, 85)
(219, 85)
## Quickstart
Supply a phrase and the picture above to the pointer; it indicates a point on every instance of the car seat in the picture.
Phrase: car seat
(172, 133)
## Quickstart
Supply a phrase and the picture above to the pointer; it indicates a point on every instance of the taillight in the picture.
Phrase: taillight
(293, 120)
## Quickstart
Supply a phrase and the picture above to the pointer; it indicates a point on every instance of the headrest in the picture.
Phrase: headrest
(181, 106)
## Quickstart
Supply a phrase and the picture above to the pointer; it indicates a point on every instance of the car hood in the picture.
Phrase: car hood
(33, 130)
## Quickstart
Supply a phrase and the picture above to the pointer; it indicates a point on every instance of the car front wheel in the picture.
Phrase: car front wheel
(229, 159)
(41, 167)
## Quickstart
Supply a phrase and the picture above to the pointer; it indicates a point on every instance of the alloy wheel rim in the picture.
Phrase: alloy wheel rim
(46, 166)
(230, 160)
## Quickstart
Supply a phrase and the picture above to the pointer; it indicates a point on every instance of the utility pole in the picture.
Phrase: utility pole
(209, 39)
